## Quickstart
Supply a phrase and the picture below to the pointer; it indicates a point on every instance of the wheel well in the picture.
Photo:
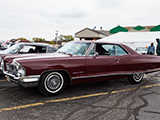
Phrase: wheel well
(67, 76)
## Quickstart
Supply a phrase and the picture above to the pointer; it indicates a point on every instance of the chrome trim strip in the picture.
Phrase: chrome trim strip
(105, 75)
(125, 73)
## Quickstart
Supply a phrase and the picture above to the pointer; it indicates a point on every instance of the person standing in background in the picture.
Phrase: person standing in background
(151, 49)
(158, 47)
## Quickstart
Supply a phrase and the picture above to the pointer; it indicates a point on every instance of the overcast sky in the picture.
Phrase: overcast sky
(40, 18)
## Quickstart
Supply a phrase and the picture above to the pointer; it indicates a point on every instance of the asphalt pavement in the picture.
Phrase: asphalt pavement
(109, 100)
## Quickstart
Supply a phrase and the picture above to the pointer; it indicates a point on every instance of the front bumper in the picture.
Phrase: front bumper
(26, 81)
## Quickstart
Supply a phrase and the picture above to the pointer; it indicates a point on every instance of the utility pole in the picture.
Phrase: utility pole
(56, 36)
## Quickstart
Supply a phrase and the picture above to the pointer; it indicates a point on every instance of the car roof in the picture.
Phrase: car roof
(130, 50)
(97, 41)
(39, 44)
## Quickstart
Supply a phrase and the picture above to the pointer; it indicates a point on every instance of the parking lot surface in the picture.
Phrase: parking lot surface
(109, 100)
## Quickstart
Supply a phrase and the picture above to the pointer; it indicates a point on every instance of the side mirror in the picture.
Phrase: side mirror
(96, 54)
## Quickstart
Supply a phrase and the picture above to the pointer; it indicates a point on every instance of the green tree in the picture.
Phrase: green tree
(22, 38)
(52, 42)
(66, 38)
(38, 39)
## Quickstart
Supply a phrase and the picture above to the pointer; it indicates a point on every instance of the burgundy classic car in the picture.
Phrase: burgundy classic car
(78, 62)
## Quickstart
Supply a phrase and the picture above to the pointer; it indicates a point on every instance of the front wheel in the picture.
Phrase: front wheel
(135, 78)
(52, 83)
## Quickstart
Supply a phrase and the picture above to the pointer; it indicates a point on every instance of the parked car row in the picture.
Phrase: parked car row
(23, 48)
(27, 48)
(77, 62)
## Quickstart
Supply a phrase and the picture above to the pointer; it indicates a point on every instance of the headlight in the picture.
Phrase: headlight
(18, 69)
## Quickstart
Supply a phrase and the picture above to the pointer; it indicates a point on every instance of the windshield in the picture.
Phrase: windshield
(75, 48)
(13, 49)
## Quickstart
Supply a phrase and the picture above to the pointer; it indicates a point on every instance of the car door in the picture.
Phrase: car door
(107, 62)
(123, 60)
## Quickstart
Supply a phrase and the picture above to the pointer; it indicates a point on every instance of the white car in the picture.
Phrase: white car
(141, 50)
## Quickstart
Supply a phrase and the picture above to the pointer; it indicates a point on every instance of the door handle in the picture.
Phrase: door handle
(117, 59)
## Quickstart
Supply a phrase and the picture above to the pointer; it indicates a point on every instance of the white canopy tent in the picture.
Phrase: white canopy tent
(134, 39)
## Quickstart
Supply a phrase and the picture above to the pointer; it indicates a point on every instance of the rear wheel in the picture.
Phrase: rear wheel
(135, 78)
(52, 83)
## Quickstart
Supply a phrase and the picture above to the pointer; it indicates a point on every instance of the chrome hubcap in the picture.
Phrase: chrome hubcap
(138, 76)
(53, 82)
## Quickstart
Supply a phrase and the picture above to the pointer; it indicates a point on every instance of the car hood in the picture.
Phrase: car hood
(3, 53)
(27, 57)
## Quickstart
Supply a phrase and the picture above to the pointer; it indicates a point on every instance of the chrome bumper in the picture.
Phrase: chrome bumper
(26, 81)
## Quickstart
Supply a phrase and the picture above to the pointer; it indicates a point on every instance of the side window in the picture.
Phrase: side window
(105, 49)
(40, 49)
(27, 49)
(50, 50)
(120, 51)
